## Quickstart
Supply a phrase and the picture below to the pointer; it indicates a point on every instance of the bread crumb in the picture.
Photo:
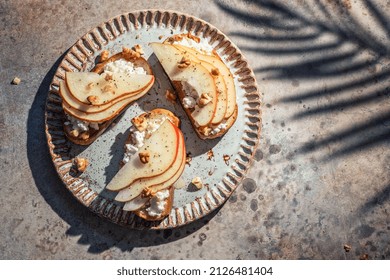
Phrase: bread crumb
(160, 37)
(16, 81)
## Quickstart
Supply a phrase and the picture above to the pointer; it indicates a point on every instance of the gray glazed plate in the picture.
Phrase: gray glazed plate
(220, 177)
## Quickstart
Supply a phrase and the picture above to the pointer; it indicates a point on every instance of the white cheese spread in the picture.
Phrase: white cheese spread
(158, 203)
(217, 129)
(79, 125)
(201, 46)
(123, 66)
(138, 137)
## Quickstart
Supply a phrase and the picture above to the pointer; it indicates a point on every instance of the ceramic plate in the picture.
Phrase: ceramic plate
(220, 176)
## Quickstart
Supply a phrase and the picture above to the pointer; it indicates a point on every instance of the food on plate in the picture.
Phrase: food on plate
(203, 82)
(92, 100)
(154, 160)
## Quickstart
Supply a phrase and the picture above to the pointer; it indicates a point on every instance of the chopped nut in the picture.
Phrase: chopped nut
(347, 248)
(188, 159)
(84, 135)
(160, 37)
(205, 130)
(104, 55)
(176, 38)
(140, 123)
(108, 89)
(148, 192)
(144, 157)
(130, 54)
(197, 182)
(16, 81)
(226, 158)
(137, 48)
(93, 99)
(74, 133)
(204, 99)
(215, 72)
(210, 154)
(108, 77)
(184, 62)
(81, 164)
(193, 37)
(170, 96)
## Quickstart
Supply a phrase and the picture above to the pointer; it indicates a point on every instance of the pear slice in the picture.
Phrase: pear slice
(71, 101)
(81, 85)
(196, 75)
(107, 114)
(219, 83)
(136, 203)
(161, 146)
(137, 187)
(224, 72)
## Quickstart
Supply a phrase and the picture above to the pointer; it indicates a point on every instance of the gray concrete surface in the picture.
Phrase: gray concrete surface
(321, 175)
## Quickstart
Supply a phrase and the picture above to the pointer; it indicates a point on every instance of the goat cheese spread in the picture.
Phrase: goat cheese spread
(201, 46)
(123, 66)
(138, 137)
(79, 125)
(158, 203)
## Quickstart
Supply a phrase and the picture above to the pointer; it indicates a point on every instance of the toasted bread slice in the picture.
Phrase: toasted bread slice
(151, 197)
(102, 116)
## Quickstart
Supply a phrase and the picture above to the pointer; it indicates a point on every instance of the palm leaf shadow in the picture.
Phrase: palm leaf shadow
(283, 31)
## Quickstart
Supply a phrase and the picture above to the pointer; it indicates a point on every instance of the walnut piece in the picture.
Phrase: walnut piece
(204, 99)
(210, 154)
(130, 54)
(104, 55)
(93, 99)
(197, 181)
(16, 81)
(84, 135)
(140, 123)
(144, 157)
(205, 130)
(138, 48)
(81, 164)
(184, 62)
(74, 133)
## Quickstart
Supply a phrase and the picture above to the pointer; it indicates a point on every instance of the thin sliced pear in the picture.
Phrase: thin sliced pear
(159, 187)
(224, 71)
(136, 188)
(84, 84)
(136, 203)
(71, 101)
(162, 147)
(107, 114)
(219, 84)
(194, 74)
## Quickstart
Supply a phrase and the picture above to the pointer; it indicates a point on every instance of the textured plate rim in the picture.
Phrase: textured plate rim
(92, 43)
